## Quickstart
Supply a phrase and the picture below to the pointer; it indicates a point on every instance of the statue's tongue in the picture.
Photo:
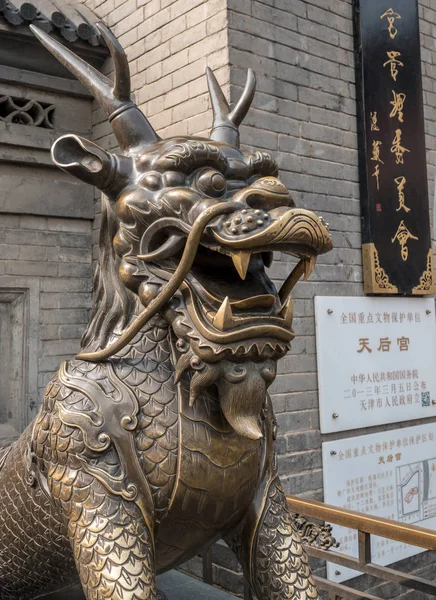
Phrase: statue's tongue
(242, 390)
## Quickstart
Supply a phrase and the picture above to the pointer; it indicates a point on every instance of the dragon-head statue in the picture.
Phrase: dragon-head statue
(189, 227)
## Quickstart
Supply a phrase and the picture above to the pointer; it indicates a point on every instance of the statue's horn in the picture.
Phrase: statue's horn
(226, 122)
(130, 126)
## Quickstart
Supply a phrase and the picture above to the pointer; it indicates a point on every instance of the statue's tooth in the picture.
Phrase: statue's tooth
(241, 260)
(309, 265)
(291, 281)
(183, 365)
(224, 317)
(287, 312)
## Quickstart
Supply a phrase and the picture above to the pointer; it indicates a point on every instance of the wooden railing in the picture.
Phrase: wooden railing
(366, 526)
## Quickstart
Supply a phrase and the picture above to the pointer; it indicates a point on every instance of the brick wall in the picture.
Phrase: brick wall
(304, 113)
(45, 231)
(56, 253)
(169, 44)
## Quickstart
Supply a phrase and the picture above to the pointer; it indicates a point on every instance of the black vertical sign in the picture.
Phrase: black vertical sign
(397, 256)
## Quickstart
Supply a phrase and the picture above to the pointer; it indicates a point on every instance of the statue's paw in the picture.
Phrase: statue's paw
(160, 595)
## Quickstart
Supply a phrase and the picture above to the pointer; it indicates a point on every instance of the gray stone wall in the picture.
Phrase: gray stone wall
(45, 234)
(55, 252)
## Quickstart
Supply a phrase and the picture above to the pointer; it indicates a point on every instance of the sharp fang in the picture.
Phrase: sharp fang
(309, 265)
(183, 365)
(241, 260)
(287, 312)
(291, 281)
(224, 318)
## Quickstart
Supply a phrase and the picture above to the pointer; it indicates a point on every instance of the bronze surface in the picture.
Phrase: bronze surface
(158, 438)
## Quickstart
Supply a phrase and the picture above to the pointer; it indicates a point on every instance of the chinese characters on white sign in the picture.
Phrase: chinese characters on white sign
(376, 361)
(390, 474)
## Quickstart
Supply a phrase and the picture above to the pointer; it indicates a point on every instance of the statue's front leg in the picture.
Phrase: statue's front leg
(266, 543)
(112, 546)
(85, 450)
(280, 568)
(270, 550)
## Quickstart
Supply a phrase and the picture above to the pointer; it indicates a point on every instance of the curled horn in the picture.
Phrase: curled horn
(226, 122)
(130, 126)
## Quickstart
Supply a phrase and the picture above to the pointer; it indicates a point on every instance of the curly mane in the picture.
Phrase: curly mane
(114, 304)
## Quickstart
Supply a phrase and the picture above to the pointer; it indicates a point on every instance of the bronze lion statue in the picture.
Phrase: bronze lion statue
(157, 439)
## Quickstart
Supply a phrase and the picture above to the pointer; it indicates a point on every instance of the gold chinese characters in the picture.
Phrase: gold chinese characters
(394, 63)
(401, 182)
(374, 121)
(389, 458)
(402, 236)
(397, 148)
(376, 157)
(391, 16)
(376, 152)
(384, 345)
(398, 105)
(376, 174)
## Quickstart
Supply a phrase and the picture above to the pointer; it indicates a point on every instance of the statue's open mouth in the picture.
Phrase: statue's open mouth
(240, 303)
(237, 317)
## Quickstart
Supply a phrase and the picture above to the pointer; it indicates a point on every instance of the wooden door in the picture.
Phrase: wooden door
(13, 399)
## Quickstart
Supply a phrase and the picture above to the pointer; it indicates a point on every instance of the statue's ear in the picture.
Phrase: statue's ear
(86, 161)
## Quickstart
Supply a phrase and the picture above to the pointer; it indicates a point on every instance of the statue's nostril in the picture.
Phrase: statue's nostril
(247, 220)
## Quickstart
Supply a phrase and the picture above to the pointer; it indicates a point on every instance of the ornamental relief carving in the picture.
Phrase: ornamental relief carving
(26, 112)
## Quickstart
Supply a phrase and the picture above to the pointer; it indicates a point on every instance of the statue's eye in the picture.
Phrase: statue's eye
(211, 182)
(152, 181)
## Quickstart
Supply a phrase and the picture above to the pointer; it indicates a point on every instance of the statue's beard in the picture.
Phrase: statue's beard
(242, 400)
(242, 388)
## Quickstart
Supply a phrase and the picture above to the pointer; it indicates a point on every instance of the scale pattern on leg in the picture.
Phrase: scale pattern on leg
(112, 546)
(35, 553)
(281, 568)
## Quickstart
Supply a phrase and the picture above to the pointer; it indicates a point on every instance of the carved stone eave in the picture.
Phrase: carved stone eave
(74, 22)
(21, 50)
(29, 72)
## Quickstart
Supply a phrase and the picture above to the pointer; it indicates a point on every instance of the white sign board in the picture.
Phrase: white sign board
(376, 360)
(391, 474)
